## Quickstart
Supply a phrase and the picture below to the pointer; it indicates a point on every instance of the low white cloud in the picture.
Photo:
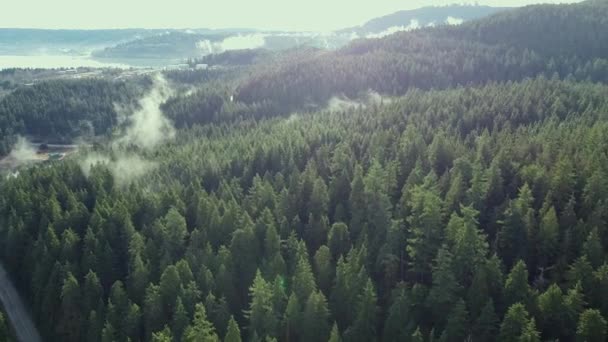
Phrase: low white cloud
(341, 103)
(414, 24)
(147, 126)
(453, 21)
(238, 42)
(23, 151)
(124, 167)
(251, 41)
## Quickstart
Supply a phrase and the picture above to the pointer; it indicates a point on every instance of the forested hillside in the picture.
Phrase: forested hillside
(465, 200)
(483, 203)
(426, 16)
(64, 109)
(567, 40)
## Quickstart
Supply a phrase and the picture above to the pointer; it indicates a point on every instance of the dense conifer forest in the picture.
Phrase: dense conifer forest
(466, 199)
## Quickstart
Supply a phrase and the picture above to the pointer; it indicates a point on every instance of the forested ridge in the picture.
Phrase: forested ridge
(567, 40)
(470, 204)
(61, 110)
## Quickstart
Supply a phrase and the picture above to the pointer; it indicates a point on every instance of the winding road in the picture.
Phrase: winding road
(24, 328)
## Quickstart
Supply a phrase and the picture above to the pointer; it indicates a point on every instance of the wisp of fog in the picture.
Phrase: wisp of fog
(146, 127)
(22, 151)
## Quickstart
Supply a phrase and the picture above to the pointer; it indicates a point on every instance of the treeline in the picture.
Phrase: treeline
(469, 213)
(213, 103)
(61, 110)
(175, 45)
(234, 57)
(562, 40)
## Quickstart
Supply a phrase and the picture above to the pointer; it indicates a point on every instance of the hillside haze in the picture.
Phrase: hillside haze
(163, 47)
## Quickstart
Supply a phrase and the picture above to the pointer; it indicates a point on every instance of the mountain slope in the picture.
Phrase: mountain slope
(511, 45)
(426, 16)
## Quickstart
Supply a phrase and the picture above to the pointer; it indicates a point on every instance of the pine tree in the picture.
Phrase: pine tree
(486, 325)
(574, 304)
(470, 247)
(180, 320)
(138, 278)
(169, 287)
(593, 250)
(358, 204)
(334, 336)
(517, 223)
(70, 327)
(591, 327)
(581, 272)
(417, 336)
(163, 335)
(444, 292)
(530, 334)
(175, 229)
(426, 227)
(315, 319)
(234, 333)
(456, 328)
(548, 238)
(303, 280)
(398, 325)
(201, 330)
(364, 327)
(94, 327)
(292, 319)
(244, 250)
(273, 262)
(339, 240)
(262, 319)
(379, 206)
(515, 323)
(552, 310)
(153, 310)
(118, 311)
(516, 285)
(108, 334)
(324, 268)
(599, 291)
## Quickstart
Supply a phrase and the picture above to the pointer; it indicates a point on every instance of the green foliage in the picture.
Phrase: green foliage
(315, 318)
(4, 332)
(473, 211)
(201, 330)
(364, 326)
(517, 325)
(234, 333)
(334, 336)
(262, 318)
(591, 326)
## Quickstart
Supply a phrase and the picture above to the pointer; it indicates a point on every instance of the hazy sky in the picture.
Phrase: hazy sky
(317, 15)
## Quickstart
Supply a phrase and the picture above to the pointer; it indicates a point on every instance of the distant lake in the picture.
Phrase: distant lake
(54, 62)
(65, 61)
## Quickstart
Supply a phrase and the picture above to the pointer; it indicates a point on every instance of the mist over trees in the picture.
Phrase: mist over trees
(469, 204)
